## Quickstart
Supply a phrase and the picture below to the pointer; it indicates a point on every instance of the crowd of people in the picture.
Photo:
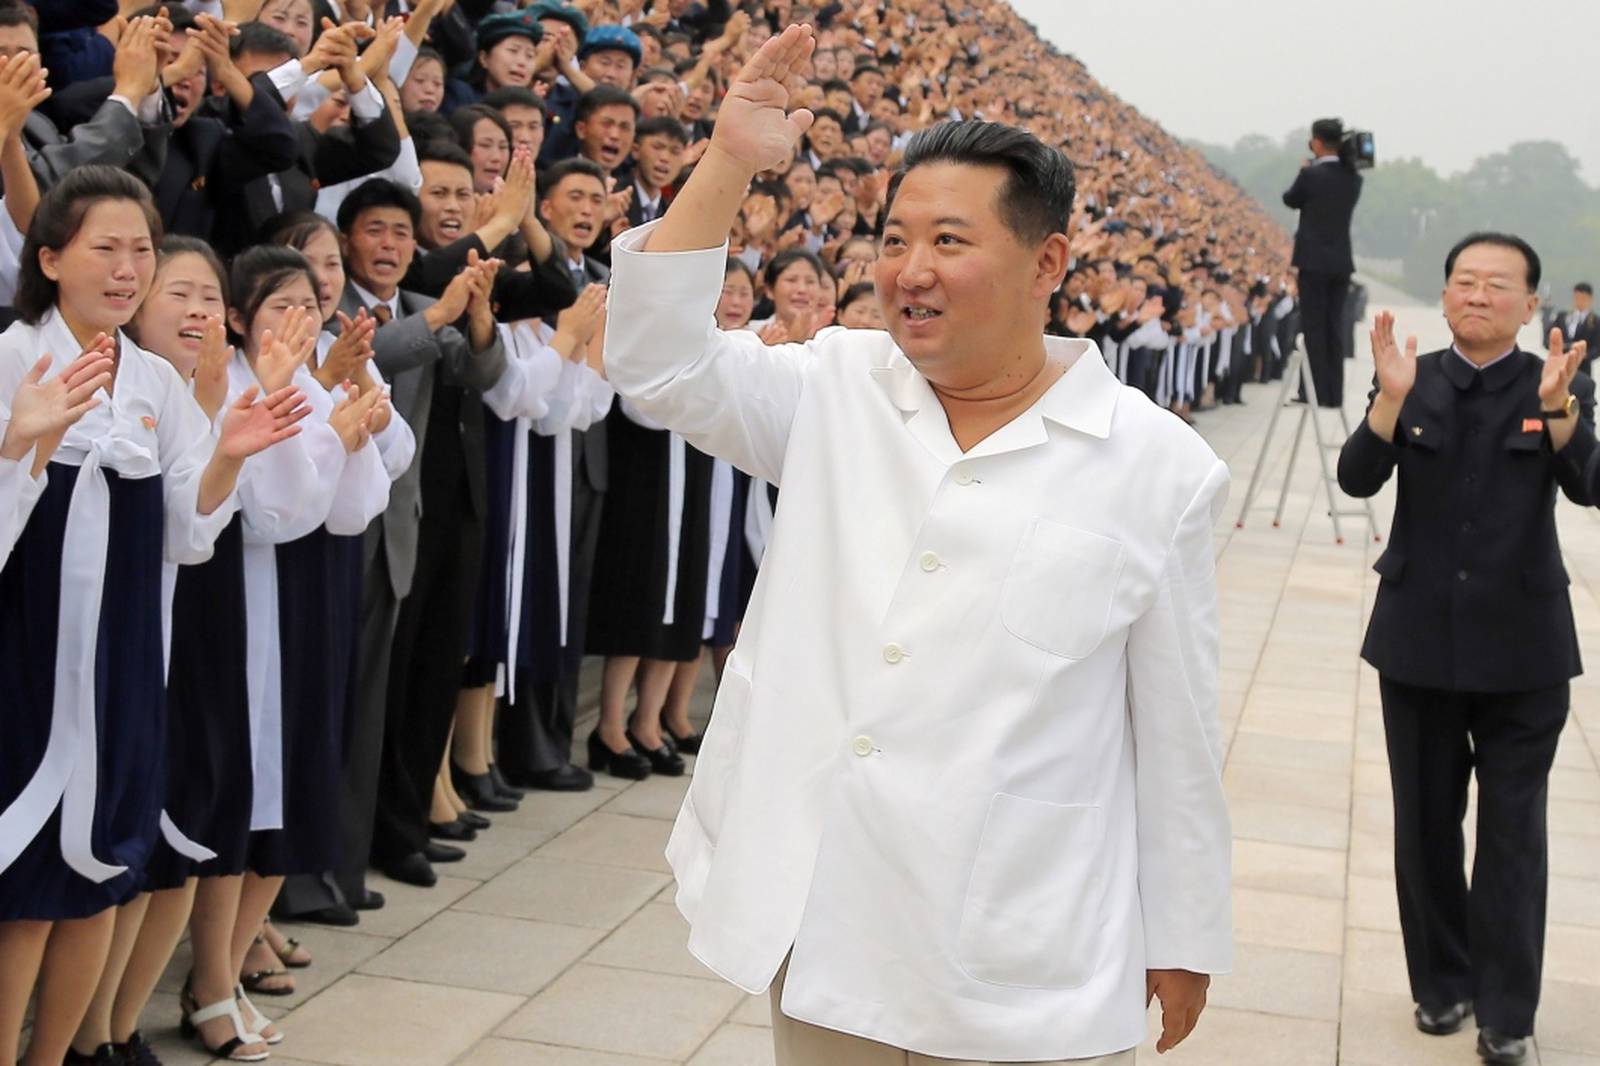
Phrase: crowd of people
(313, 492)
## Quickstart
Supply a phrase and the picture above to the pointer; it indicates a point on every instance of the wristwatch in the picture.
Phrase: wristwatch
(1566, 410)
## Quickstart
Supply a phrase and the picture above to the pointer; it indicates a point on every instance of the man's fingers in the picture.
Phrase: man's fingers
(1411, 347)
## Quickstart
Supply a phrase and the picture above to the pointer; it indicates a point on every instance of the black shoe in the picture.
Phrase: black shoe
(663, 760)
(478, 791)
(626, 763)
(138, 1052)
(340, 914)
(474, 820)
(104, 1055)
(435, 852)
(566, 778)
(1442, 1021)
(503, 788)
(689, 745)
(412, 869)
(1498, 1049)
(371, 900)
(456, 830)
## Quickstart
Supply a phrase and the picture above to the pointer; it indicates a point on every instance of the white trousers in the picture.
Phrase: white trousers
(803, 1044)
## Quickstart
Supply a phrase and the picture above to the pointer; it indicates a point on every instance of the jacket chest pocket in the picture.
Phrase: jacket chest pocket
(1035, 903)
(1060, 590)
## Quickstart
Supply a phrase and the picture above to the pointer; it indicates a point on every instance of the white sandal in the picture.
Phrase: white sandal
(227, 1008)
(244, 1001)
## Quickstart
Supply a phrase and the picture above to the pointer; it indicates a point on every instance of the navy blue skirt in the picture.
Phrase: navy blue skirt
(486, 644)
(541, 656)
(319, 595)
(129, 697)
(732, 594)
(208, 718)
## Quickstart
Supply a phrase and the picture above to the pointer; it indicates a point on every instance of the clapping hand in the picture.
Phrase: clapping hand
(348, 354)
(774, 333)
(580, 322)
(211, 368)
(42, 411)
(22, 88)
(281, 355)
(250, 427)
(1560, 367)
(1397, 372)
(352, 416)
(754, 126)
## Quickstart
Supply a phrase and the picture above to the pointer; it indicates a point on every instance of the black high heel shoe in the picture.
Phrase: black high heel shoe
(456, 830)
(473, 820)
(689, 745)
(663, 760)
(503, 788)
(478, 791)
(627, 764)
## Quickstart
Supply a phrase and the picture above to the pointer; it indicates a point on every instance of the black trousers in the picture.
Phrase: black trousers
(536, 733)
(348, 884)
(1483, 942)
(1322, 298)
(426, 656)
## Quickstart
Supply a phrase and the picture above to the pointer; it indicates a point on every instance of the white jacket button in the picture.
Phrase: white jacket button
(929, 562)
(963, 476)
(862, 746)
(893, 653)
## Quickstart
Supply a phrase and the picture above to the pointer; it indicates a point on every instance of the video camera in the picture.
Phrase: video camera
(1357, 150)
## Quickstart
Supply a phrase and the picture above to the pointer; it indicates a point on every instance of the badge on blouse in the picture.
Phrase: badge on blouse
(1416, 431)
(1532, 425)
(149, 421)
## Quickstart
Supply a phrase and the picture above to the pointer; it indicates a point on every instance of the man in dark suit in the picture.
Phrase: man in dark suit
(1325, 193)
(536, 741)
(423, 552)
(323, 156)
(1472, 633)
(1581, 323)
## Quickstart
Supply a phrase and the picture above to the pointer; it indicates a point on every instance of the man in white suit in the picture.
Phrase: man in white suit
(961, 794)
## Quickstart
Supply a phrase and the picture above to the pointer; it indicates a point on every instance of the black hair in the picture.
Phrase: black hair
(604, 96)
(788, 258)
(1584, 287)
(57, 220)
(1329, 131)
(876, 124)
(868, 69)
(444, 152)
(464, 120)
(429, 54)
(860, 290)
(835, 85)
(180, 16)
(15, 13)
(176, 244)
(259, 39)
(827, 112)
(661, 126)
(514, 96)
(857, 239)
(830, 169)
(1499, 240)
(1035, 200)
(295, 230)
(644, 29)
(428, 126)
(658, 74)
(378, 192)
(262, 270)
(565, 169)
(736, 265)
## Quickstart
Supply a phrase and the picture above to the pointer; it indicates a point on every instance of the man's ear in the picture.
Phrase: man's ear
(1051, 265)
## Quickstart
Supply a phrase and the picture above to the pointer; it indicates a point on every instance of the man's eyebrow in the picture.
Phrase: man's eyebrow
(947, 220)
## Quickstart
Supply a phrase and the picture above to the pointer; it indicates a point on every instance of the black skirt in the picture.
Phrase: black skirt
(628, 595)
(487, 642)
(318, 603)
(208, 718)
(130, 730)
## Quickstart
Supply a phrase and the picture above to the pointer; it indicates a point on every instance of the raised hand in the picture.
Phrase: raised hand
(1560, 367)
(250, 427)
(281, 355)
(452, 303)
(754, 126)
(582, 319)
(348, 354)
(211, 368)
(22, 88)
(514, 192)
(774, 333)
(42, 411)
(133, 69)
(1397, 371)
(352, 417)
(480, 290)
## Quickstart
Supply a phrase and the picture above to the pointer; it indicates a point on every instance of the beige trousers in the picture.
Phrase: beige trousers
(802, 1044)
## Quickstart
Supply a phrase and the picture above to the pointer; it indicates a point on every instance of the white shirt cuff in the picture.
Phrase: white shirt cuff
(288, 78)
(367, 104)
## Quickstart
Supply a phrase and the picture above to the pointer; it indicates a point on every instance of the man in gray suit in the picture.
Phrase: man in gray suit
(421, 554)
(128, 131)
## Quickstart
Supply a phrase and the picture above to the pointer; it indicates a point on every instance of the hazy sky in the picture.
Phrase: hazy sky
(1446, 81)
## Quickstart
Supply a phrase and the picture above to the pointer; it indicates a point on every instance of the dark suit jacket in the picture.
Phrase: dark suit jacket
(342, 154)
(1473, 596)
(518, 294)
(104, 133)
(411, 357)
(589, 451)
(1325, 194)
(1588, 331)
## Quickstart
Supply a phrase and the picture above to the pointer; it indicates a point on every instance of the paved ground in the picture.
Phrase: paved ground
(556, 942)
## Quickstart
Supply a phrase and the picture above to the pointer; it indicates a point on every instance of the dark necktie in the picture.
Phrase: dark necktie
(382, 314)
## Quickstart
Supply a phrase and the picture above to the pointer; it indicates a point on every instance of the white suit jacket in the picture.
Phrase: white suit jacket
(965, 758)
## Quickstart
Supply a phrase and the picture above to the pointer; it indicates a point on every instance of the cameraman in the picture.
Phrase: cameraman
(1325, 193)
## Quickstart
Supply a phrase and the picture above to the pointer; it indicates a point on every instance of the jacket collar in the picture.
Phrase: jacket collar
(1493, 378)
(1084, 398)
